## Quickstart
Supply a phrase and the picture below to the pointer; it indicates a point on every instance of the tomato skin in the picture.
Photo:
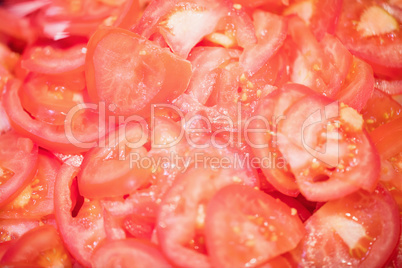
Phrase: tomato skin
(80, 234)
(376, 213)
(155, 66)
(27, 250)
(51, 137)
(19, 159)
(128, 252)
(241, 237)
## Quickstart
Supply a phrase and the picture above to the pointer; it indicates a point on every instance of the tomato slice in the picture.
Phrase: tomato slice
(18, 162)
(82, 233)
(327, 149)
(380, 109)
(36, 199)
(54, 59)
(358, 86)
(46, 101)
(204, 61)
(40, 247)
(182, 23)
(128, 252)
(391, 87)
(126, 70)
(257, 227)
(108, 171)
(385, 137)
(321, 16)
(263, 136)
(181, 219)
(80, 131)
(322, 66)
(362, 37)
(362, 229)
(255, 56)
(11, 230)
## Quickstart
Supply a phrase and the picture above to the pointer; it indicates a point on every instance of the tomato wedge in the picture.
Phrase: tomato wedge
(182, 23)
(181, 218)
(312, 12)
(79, 133)
(18, 163)
(36, 199)
(107, 171)
(246, 227)
(380, 109)
(128, 252)
(53, 59)
(358, 86)
(40, 247)
(362, 36)
(82, 233)
(127, 71)
(359, 230)
(255, 56)
(327, 149)
(263, 136)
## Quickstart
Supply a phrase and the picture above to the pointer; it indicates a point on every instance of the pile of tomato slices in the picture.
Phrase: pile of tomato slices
(202, 133)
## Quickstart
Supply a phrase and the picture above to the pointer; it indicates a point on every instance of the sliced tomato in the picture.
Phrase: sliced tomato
(386, 138)
(54, 58)
(182, 23)
(255, 56)
(131, 73)
(80, 132)
(322, 66)
(327, 149)
(11, 230)
(18, 163)
(107, 171)
(262, 135)
(36, 199)
(358, 86)
(204, 61)
(380, 109)
(46, 101)
(128, 252)
(257, 227)
(82, 232)
(40, 247)
(234, 30)
(321, 16)
(128, 15)
(8, 58)
(391, 87)
(365, 26)
(15, 26)
(360, 230)
(181, 218)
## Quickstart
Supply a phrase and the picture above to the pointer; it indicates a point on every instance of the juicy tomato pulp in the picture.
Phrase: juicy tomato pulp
(200, 133)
